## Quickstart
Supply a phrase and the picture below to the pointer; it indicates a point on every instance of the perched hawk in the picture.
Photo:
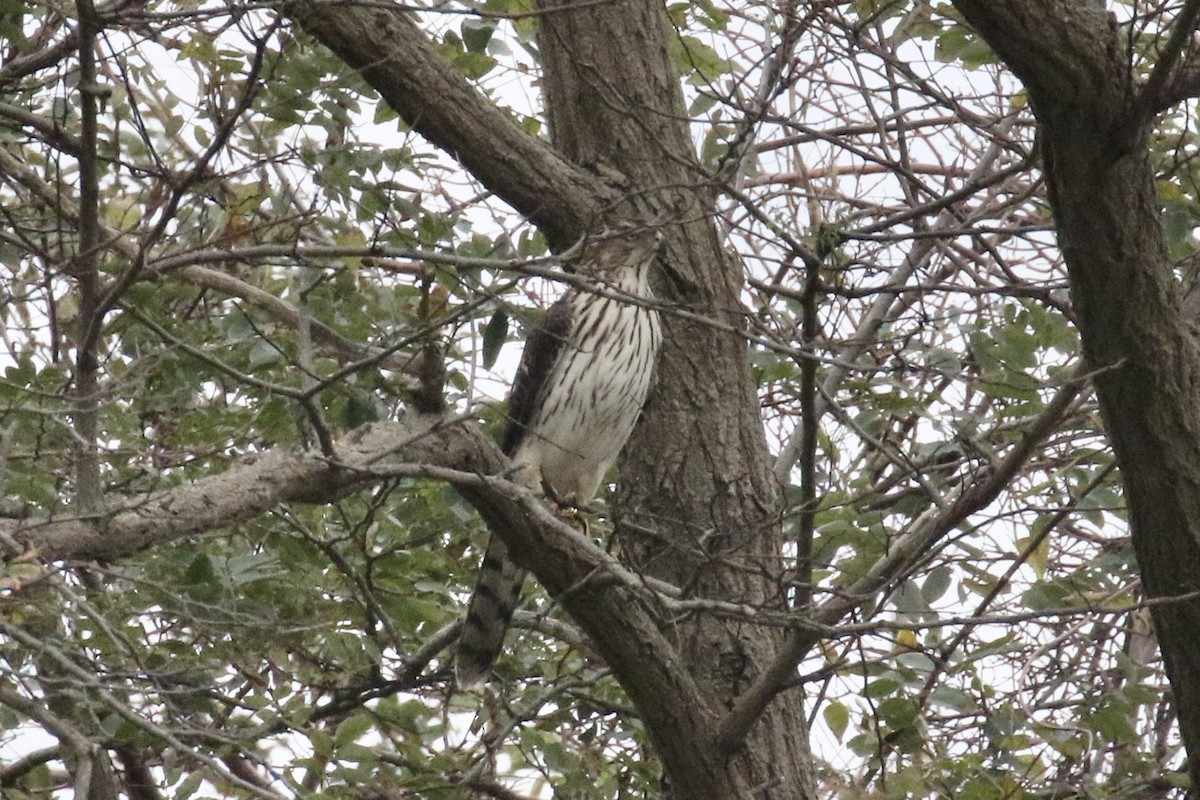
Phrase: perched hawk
(579, 390)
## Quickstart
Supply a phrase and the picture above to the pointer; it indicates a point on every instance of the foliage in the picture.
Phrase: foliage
(269, 231)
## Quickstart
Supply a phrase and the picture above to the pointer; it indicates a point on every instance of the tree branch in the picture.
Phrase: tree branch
(251, 487)
(49, 129)
(1160, 88)
(84, 268)
(23, 64)
(14, 770)
(396, 57)
(1186, 83)
(927, 530)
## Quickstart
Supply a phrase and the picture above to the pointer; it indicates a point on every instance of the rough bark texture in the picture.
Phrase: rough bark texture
(1095, 123)
(700, 458)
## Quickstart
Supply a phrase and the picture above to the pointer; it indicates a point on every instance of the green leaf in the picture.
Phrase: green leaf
(911, 600)
(477, 33)
(953, 698)
(475, 65)
(1113, 724)
(694, 57)
(837, 717)
(898, 712)
(12, 20)
(351, 729)
(322, 743)
(1042, 596)
(864, 744)
(189, 785)
(200, 571)
(495, 334)
(264, 353)
(359, 410)
(959, 44)
(357, 752)
(943, 360)
(711, 17)
(936, 583)
(1070, 743)
(1039, 556)
(881, 688)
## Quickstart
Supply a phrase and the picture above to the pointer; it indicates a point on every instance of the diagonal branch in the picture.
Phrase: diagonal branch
(612, 605)
(616, 610)
(397, 58)
(927, 530)
(1161, 87)
(1186, 84)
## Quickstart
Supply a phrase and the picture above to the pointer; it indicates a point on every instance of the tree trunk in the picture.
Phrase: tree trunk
(696, 492)
(1145, 362)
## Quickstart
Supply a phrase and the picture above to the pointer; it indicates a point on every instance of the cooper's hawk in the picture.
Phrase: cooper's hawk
(580, 387)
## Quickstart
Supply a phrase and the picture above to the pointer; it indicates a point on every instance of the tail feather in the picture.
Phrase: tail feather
(497, 592)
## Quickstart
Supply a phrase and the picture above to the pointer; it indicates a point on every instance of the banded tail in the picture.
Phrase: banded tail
(497, 592)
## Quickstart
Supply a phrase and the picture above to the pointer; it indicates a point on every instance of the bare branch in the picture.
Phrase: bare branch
(85, 269)
(1162, 87)
(927, 530)
(11, 772)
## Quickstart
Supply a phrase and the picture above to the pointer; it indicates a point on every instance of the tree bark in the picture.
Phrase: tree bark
(699, 459)
(1095, 123)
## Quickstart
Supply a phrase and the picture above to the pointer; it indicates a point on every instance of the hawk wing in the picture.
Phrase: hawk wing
(542, 349)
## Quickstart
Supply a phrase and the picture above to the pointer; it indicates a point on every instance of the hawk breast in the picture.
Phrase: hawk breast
(590, 399)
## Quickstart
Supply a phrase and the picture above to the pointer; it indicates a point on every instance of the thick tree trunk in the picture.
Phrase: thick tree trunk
(696, 473)
(1146, 364)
